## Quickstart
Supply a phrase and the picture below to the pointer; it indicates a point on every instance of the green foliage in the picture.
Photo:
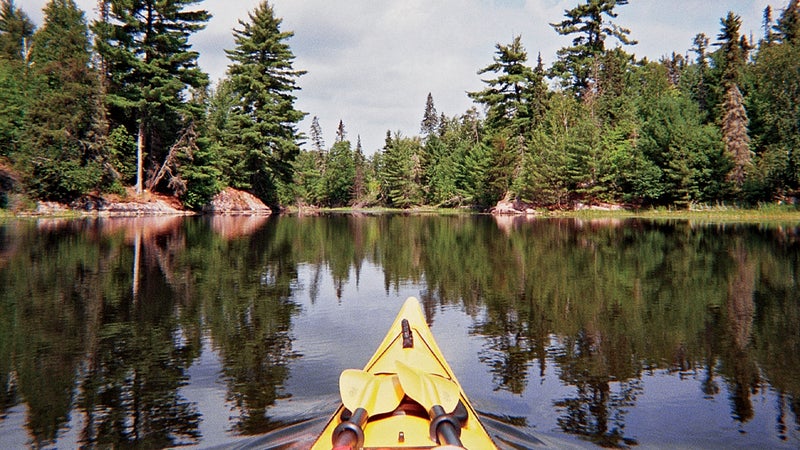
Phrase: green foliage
(788, 26)
(61, 177)
(339, 176)
(774, 93)
(202, 176)
(688, 153)
(474, 174)
(440, 173)
(13, 104)
(307, 186)
(57, 154)
(121, 152)
(399, 172)
(15, 28)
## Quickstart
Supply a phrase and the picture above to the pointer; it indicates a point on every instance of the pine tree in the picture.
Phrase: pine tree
(513, 102)
(734, 50)
(735, 134)
(699, 76)
(150, 66)
(263, 125)
(507, 96)
(769, 36)
(576, 64)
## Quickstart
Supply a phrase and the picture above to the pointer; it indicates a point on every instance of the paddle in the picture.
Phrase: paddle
(439, 396)
(365, 395)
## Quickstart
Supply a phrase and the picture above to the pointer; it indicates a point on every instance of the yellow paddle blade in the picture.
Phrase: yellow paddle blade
(377, 394)
(428, 389)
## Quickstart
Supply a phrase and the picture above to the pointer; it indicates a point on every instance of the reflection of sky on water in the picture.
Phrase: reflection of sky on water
(208, 391)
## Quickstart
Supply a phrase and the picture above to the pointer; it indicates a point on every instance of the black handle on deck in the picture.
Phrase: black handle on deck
(445, 428)
(408, 338)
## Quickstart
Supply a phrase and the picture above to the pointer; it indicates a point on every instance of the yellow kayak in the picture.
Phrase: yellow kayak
(405, 397)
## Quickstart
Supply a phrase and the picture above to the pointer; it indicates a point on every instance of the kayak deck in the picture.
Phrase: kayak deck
(409, 425)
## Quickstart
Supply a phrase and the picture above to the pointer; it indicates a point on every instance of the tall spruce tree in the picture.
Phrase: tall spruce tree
(697, 76)
(341, 134)
(263, 124)
(360, 188)
(430, 118)
(317, 141)
(144, 46)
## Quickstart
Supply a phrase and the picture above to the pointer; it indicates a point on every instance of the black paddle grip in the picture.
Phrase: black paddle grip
(350, 432)
(445, 428)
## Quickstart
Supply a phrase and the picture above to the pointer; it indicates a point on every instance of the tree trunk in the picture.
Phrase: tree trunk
(139, 158)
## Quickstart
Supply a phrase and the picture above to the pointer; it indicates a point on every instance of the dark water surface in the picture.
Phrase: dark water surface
(214, 331)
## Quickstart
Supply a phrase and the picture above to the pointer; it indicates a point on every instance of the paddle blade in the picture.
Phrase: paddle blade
(376, 394)
(427, 389)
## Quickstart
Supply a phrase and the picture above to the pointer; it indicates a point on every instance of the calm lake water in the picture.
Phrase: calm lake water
(216, 331)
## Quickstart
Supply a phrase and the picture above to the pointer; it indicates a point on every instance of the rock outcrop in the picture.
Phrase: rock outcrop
(232, 201)
(513, 207)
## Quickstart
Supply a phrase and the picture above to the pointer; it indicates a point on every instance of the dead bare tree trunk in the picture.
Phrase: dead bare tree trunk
(186, 143)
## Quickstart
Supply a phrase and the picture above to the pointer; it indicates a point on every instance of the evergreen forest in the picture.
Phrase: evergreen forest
(120, 106)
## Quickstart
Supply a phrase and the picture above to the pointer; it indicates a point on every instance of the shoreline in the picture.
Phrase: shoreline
(158, 207)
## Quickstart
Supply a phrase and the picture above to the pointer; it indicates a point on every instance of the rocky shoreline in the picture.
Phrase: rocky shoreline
(229, 201)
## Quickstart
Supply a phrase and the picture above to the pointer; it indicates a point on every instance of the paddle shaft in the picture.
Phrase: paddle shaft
(447, 435)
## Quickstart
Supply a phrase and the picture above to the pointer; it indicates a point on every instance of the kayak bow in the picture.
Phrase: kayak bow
(406, 397)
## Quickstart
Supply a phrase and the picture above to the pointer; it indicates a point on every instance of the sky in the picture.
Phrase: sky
(372, 63)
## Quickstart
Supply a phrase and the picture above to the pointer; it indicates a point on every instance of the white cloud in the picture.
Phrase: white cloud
(371, 63)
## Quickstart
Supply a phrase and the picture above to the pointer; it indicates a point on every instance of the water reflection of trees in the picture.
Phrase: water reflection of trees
(83, 343)
(595, 411)
(600, 304)
(249, 321)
